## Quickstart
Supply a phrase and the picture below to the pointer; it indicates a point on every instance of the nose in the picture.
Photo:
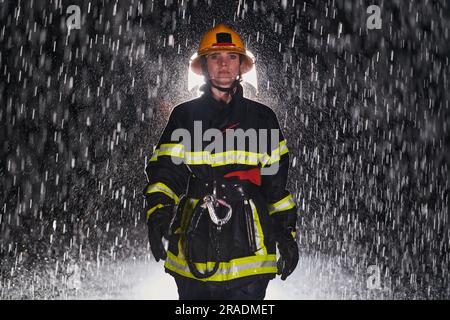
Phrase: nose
(223, 61)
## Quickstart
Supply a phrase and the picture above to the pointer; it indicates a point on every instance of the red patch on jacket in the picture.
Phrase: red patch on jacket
(231, 126)
(252, 175)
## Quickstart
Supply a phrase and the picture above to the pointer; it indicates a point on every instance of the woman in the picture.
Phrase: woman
(222, 207)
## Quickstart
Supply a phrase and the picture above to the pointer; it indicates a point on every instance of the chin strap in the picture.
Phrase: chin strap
(230, 90)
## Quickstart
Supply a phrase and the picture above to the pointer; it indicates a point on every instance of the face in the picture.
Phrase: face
(223, 68)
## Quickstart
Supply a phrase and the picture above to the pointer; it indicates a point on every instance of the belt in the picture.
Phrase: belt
(222, 189)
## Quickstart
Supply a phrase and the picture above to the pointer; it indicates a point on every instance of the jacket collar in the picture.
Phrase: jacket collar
(206, 89)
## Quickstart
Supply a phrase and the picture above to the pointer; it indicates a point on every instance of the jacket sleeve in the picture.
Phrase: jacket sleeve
(281, 205)
(167, 178)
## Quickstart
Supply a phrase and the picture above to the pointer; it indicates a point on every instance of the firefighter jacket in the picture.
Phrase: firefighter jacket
(175, 161)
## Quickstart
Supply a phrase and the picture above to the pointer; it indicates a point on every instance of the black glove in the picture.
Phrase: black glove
(284, 224)
(158, 226)
(289, 253)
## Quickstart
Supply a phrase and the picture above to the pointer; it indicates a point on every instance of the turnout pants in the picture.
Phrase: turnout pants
(189, 289)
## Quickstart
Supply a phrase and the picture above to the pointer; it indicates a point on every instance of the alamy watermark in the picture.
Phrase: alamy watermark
(374, 280)
(374, 20)
(73, 21)
(232, 139)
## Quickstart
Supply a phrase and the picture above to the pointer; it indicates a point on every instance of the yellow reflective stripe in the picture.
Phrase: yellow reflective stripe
(233, 269)
(235, 157)
(171, 149)
(149, 212)
(200, 157)
(186, 215)
(275, 156)
(284, 204)
(238, 262)
(264, 159)
(259, 235)
(168, 149)
(161, 187)
(189, 207)
(154, 156)
(283, 148)
(278, 152)
(221, 158)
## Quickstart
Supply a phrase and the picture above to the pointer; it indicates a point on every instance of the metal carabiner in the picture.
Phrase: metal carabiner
(209, 202)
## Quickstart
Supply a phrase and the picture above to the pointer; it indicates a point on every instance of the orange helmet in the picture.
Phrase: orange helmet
(221, 38)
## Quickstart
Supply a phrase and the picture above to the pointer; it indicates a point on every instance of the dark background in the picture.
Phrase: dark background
(365, 112)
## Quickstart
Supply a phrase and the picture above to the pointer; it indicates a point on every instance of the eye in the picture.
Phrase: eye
(213, 56)
(233, 56)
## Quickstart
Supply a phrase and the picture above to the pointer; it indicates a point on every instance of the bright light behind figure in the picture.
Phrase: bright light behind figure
(196, 81)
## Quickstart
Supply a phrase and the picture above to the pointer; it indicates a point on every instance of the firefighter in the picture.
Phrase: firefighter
(223, 211)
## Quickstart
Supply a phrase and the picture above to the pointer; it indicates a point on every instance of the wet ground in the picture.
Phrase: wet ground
(314, 278)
